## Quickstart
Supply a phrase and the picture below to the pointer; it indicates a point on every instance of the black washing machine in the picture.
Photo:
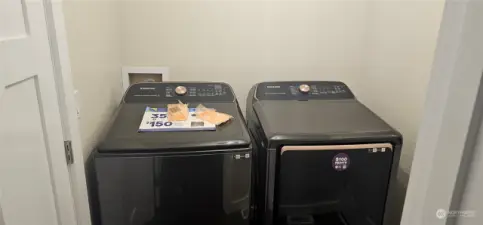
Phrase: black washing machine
(323, 157)
(172, 176)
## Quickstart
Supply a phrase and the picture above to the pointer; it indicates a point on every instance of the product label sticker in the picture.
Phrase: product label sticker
(341, 162)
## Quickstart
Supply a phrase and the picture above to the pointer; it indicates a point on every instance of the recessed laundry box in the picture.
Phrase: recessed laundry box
(322, 158)
(150, 171)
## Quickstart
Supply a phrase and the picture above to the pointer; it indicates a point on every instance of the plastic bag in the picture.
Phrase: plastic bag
(211, 115)
(178, 112)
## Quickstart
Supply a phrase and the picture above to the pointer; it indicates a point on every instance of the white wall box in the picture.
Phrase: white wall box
(132, 75)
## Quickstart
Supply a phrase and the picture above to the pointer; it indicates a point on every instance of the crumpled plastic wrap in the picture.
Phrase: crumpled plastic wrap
(178, 112)
(211, 115)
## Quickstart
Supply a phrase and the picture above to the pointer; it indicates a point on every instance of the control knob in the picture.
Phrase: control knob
(180, 90)
(304, 88)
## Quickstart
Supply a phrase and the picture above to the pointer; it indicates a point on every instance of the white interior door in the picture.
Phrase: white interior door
(34, 180)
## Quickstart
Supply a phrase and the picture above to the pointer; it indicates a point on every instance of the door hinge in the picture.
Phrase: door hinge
(69, 156)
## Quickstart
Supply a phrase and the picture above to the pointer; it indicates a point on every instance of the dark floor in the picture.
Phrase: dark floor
(326, 219)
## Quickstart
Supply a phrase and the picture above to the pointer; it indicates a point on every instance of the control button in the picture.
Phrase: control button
(180, 90)
(304, 88)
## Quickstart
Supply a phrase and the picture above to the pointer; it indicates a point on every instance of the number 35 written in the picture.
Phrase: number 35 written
(156, 115)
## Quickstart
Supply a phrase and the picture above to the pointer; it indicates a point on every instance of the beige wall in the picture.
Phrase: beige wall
(382, 49)
(401, 39)
(244, 42)
(93, 32)
(400, 42)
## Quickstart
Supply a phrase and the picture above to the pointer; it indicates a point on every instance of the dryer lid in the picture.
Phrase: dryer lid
(319, 120)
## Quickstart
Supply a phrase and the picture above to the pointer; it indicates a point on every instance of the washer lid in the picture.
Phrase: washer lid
(319, 120)
(123, 136)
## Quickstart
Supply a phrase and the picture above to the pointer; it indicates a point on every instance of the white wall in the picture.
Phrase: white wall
(382, 49)
(400, 43)
(93, 33)
(244, 42)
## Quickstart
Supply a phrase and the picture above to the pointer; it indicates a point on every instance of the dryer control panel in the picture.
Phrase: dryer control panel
(303, 90)
(182, 91)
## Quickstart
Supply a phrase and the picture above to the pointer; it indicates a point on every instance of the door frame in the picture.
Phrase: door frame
(451, 119)
(68, 108)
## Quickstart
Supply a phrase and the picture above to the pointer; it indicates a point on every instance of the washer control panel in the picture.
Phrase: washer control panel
(183, 91)
(303, 90)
